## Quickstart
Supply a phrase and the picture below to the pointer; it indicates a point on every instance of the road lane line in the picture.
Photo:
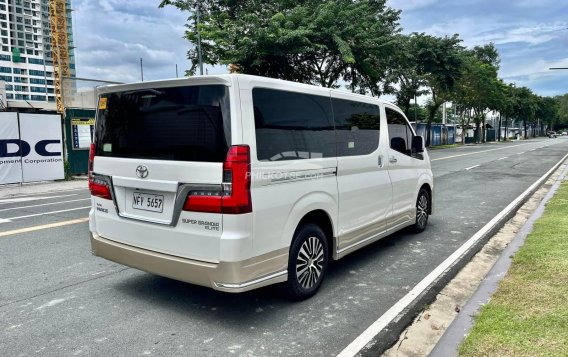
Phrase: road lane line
(43, 226)
(401, 305)
(503, 158)
(48, 213)
(478, 152)
(472, 167)
(27, 199)
(44, 204)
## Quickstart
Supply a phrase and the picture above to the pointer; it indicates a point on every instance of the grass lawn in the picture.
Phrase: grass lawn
(528, 314)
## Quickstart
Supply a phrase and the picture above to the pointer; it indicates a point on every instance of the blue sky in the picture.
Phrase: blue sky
(531, 36)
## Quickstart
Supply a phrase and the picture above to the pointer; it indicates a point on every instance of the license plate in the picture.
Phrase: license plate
(148, 202)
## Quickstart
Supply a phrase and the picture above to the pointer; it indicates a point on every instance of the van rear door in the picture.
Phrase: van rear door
(160, 152)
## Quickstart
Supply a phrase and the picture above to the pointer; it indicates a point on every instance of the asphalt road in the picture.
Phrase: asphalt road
(57, 299)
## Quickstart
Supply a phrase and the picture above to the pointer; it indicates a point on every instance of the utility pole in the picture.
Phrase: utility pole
(199, 53)
(141, 70)
(177, 71)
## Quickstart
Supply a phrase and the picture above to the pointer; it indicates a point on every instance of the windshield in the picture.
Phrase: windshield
(179, 123)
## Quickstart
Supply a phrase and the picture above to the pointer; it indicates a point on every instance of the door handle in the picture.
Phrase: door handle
(380, 160)
(393, 160)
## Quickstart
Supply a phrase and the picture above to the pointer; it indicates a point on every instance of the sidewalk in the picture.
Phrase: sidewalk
(12, 190)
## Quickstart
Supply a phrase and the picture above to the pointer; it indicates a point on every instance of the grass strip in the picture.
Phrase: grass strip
(528, 314)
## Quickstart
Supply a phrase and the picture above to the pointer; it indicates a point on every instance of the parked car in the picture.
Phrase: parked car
(551, 134)
(564, 133)
(236, 182)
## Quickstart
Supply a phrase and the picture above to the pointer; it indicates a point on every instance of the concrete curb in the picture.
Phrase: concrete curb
(456, 332)
(388, 336)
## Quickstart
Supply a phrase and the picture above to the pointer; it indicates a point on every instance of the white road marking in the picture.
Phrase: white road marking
(44, 204)
(478, 152)
(27, 199)
(503, 158)
(520, 153)
(471, 167)
(2, 220)
(391, 314)
(48, 213)
(43, 226)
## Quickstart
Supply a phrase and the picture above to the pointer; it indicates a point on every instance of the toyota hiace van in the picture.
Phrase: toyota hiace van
(236, 182)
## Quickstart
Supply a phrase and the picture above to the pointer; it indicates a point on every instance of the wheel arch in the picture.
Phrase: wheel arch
(322, 219)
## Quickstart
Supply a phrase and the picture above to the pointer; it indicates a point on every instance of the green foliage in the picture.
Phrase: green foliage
(358, 44)
(67, 171)
(561, 108)
(317, 42)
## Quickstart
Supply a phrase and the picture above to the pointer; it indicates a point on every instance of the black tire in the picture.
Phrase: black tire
(307, 263)
(422, 211)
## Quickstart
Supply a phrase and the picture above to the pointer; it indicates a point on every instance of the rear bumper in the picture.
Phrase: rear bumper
(234, 277)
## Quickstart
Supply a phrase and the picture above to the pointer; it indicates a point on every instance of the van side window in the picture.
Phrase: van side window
(357, 126)
(400, 134)
(292, 126)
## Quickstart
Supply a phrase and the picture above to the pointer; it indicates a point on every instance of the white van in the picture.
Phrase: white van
(237, 182)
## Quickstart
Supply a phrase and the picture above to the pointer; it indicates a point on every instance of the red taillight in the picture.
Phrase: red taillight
(91, 160)
(98, 187)
(234, 196)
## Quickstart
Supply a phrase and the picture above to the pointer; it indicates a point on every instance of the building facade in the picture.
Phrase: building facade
(26, 64)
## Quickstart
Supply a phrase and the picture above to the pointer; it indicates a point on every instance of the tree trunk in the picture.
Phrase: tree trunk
(499, 132)
(506, 129)
(525, 129)
(477, 131)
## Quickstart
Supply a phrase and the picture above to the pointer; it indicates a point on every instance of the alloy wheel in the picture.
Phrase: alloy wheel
(310, 262)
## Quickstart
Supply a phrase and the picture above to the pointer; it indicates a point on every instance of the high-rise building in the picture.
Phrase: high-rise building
(26, 63)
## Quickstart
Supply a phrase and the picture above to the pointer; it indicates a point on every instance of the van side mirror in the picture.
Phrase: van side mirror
(417, 144)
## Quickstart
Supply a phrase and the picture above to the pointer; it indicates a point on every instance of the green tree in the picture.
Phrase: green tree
(404, 69)
(478, 90)
(547, 113)
(562, 110)
(439, 61)
(313, 41)
(525, 107)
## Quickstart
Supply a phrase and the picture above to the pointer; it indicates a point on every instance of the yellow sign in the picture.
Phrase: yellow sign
(82, 121)
(102, 103)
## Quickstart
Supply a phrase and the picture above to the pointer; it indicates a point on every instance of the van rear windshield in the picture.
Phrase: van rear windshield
(179, 123)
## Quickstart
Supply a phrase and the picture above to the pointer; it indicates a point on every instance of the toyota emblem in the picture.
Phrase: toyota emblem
(142, 171)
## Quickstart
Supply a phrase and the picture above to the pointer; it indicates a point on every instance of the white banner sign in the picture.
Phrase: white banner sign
(42, 157)
(10, 153)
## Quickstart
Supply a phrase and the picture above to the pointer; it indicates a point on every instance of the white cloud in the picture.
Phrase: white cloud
(112, 35)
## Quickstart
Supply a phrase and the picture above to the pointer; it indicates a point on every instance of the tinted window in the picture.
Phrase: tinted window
(292, 126)
(400, 134)
(358, 127)
(180, 123)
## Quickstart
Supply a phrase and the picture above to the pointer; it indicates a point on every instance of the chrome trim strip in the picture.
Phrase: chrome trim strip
(302, 176)
(374, 236)
(181, 195)
(251, 282)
